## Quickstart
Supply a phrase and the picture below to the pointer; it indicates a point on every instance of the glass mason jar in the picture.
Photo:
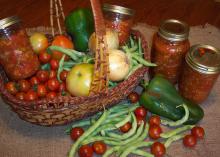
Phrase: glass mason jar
(170, 44)
(120, 19)
(200, 72)
(16, 54)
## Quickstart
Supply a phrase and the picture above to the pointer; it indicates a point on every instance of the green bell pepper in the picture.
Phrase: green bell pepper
(161, 97)
(80, 25)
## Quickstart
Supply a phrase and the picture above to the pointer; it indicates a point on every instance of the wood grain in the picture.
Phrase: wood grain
(194, 12)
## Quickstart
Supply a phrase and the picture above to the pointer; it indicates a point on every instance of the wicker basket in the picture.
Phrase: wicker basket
(65, 109)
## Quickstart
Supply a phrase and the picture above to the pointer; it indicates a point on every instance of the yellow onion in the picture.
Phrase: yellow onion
(118, 65)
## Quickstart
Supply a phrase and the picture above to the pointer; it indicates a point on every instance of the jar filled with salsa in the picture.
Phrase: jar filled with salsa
(200, 72)
(16, 54)
(170, 44)
(120, 19)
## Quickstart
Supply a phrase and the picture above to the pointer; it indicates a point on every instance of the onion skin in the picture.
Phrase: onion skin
(119, 65)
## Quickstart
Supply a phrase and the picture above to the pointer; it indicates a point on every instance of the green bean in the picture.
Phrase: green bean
(80, 124)
(131, 41)
(87, 133)
(142, 61)
(111, 150)
(98, 138)
(173, 139)
(69, 64)
(178, 122)
(60, 68)
(176, 131)
(142, 153)
(125, 111)
(140, 47)
(67, 69)
(122, 106)
(123, 122)
(108, 126)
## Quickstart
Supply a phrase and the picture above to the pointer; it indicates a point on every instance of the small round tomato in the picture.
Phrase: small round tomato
(34, 81)
(44, 57)
(24, 85)
(155, 131)
(30, 95)
(51, 95)
(39, 42)
(20, 95)
(53, 84)
(41, 90)
(133, 97)
(76, 133)
(52, 74)
(126, 127)
(189, 141)
(61, 41)
(42, 75)
(140, 120)
(140, 112)
(11, 87)
(198, 132)
(63, 75)
(154, 120)
(99, 147)
(54, 64)
(158, 149)
(85, 151)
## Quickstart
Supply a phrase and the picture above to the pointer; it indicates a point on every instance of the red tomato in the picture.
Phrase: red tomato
(24, 85)
(62, 87)
(154, 120)
(41, 90)
(155, 131)
(140, 120)
(85, 151)
(198, 132)
(52, 74)
(189, 141)
(11, 87)
(39, 42)
(34, 81)
(20, 95)
(76, 133)
(133, 97)
(53, 84)
(42, 75)
(99, 147)
(54, 64)
(30, 95)
(125, 128)
(63, 75)
(44, 57)
(158, 149)
(51, 95)
(140, 112)
(62, 41)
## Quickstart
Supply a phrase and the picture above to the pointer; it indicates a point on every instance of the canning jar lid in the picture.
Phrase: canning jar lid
(204, 59)
(9, 21)
(174, 30)
(118, 9)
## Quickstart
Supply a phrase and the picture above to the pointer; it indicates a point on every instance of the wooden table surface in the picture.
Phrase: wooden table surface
(194, 12)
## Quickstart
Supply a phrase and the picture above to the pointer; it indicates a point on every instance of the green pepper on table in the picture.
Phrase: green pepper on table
(80, 25)
(161, 97)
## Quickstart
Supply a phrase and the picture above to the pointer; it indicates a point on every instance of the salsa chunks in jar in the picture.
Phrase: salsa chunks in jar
(170, 44)
(201, 70)
(17, 56)
(120, 19)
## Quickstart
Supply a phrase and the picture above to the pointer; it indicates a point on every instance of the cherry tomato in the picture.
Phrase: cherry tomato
(41, 90)
(133, 97)
(155, 131)
(51, 95)
(52, 74)
(62, 87)
(44, 57)
(62, 41)
(189, 141)
(99, 147)
(30, 95)
(198, 132)
(39, 42)
(126, 127)
(42, 75)
(85, 151)
(140, 112)
(140, 120)
(76, 133)
(11, 87)
(24, 85)
(63, 75)
(34, 81)
(53, 84)
(154, 120)
(158, 149)
(54, 64)
(20, 95)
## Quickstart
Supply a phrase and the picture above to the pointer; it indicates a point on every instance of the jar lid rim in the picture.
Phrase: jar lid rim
(9, 21)
(118, 9)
